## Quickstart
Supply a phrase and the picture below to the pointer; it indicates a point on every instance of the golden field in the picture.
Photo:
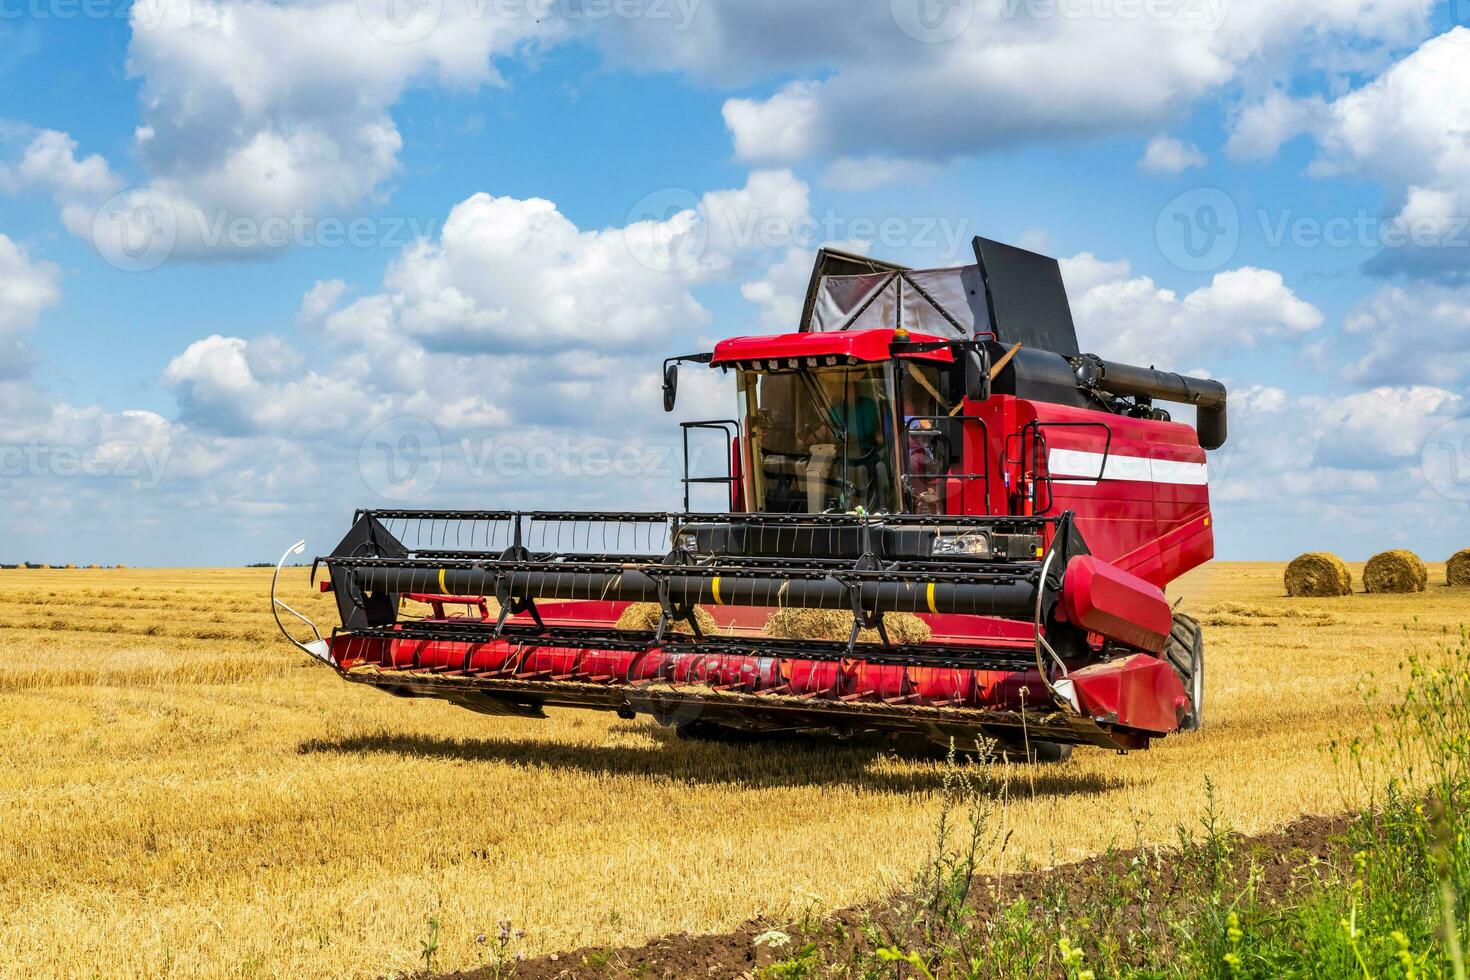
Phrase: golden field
(183, 794)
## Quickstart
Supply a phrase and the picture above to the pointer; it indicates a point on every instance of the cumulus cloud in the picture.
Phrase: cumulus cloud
(517, 275)
(1342, 472)
(871, 172)
(225, 385)
(1170, 155)
(320, 300)
(513, 314)
(1132, 319)
(49, 162)
(258, 112)
(871, 79)
(1411, 335)
(264, 108)
(780, 292)
(27, 288)
(1405, 129)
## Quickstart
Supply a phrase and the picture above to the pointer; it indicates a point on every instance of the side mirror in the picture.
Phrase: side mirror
(671, 385)
(977, 375)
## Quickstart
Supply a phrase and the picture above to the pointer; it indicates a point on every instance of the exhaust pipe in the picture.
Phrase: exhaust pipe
(1208, 397)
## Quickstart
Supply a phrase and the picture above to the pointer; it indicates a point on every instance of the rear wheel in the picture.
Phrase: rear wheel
(1185, 652)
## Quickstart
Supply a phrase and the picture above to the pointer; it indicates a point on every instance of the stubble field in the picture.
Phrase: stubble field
(183, 794)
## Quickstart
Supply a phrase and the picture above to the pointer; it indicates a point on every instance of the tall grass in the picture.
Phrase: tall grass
(1390, 902)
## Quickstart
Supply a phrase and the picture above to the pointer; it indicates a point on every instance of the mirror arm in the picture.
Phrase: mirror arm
(671, 374)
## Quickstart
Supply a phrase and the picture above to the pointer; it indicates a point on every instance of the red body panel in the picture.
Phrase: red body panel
(862, 345)
(1139, 692)
(1136, 486)
(1105, 599)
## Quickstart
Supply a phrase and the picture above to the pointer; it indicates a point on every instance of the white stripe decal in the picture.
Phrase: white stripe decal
(1080, 466)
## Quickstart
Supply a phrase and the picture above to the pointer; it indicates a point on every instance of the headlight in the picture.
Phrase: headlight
(963, 544)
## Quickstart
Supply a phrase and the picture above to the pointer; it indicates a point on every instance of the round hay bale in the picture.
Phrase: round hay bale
(836, 624)
(644, 616)
(1395, 571)
(1318, 574)
(1457, 569)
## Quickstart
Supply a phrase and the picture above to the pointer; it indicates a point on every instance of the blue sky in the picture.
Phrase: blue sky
(508, 162)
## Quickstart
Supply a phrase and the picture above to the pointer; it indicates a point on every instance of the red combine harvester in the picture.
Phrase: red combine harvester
(931, 442)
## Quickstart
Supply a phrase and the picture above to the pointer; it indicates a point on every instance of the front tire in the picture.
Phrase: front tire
(1185, 652)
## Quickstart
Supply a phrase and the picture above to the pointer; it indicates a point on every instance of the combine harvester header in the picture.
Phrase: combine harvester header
(987, 514)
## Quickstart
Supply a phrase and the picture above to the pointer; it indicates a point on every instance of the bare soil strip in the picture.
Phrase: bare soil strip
(1278, 858)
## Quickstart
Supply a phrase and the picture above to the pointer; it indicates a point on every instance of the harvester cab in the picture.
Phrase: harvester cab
(938, 517)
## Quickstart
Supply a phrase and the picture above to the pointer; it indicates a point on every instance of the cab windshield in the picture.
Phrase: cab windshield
(821, 440)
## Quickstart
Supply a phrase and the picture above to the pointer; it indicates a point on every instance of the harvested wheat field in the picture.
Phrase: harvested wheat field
(183, 794)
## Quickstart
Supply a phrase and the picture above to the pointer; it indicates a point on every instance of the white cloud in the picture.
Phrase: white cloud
(49, 163)
(1340, 472)
(1411, 335)
(27, 288)
(263, 109)
(320, 300)
(260, 112)
(781, 291)
(1170, 155)
(871, 172)
(1405, 129)
(861, 86)
(225, 386)
(1381, 427)
(513, 314)
(508, 274)
(1131, 319)
(1260, 128)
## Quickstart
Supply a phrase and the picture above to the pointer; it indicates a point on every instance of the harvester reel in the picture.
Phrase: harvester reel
(672, 610)
(509, 604)
(863, 618)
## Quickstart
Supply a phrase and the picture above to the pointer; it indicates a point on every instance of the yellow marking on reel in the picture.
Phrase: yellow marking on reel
(443, 589)
(715, 586)
(929, 593)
